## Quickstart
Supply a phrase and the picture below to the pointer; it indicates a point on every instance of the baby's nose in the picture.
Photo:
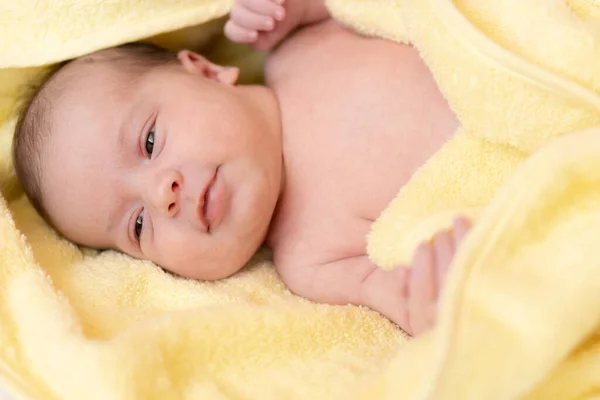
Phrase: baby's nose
(166, 196)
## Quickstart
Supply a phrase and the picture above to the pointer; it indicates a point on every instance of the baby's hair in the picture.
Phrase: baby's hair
(33, 124)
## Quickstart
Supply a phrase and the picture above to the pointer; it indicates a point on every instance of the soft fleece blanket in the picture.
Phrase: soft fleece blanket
(520, 314)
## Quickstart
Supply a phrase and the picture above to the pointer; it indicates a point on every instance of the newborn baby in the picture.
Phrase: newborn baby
(163, 157)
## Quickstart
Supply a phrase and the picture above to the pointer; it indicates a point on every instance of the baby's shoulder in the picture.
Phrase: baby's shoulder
(304, 52)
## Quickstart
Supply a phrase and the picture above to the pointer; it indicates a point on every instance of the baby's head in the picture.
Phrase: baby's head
(156, 154)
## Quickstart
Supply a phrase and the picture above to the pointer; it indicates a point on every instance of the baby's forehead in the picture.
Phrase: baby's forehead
(95, 86)
(94, 75)
(84, 98)
(88, 107)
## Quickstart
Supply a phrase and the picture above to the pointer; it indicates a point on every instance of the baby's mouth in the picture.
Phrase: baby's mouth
(204, 202)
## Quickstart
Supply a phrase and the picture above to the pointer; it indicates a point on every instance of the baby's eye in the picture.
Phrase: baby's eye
(139, 224)
(150, 141)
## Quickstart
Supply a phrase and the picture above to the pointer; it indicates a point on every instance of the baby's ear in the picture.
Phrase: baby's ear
(196, 64)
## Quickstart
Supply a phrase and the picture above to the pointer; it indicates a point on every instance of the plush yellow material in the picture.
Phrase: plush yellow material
(521, 314)
(516, 74)
(523, 299)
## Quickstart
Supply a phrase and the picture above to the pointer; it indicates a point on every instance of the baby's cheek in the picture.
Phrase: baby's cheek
(194, 255)
(172, 250)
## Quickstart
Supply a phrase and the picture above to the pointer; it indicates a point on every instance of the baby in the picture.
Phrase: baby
(163, 157)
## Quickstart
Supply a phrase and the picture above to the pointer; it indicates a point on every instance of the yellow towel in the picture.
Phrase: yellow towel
(516, 73)
(521, 314)
(519, 318)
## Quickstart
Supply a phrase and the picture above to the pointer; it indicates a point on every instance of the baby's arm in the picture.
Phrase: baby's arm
(264, 23)
(407, 296)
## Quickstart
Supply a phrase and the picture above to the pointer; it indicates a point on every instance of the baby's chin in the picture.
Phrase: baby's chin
(209, 272)
(221, 266)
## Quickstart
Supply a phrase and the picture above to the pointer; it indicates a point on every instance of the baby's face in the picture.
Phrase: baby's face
(177, 166)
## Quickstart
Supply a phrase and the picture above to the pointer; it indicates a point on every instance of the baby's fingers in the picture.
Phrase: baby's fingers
(443, 244)
(239, 34)
(250, 20)
(462, 226)
(267, 8)
(422, 289)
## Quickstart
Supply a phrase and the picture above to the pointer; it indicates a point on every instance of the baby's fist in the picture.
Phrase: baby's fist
(428, 275)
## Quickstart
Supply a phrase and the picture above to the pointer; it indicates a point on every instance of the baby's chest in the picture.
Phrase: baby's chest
(360, 116)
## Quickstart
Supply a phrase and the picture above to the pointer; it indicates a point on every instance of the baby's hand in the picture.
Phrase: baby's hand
(427, 276)
(263, 23)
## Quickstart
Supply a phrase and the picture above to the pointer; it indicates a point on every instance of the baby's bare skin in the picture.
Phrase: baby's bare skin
(196, 171)
(357, 113)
